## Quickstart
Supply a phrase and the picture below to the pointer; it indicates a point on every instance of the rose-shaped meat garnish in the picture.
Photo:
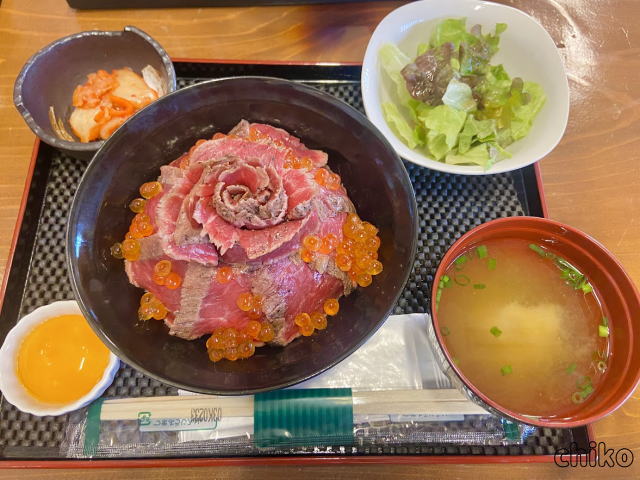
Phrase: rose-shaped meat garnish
(250, 196)
(248, 203)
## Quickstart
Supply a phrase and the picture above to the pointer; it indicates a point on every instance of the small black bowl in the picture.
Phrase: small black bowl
(371, 171)
(50, 76)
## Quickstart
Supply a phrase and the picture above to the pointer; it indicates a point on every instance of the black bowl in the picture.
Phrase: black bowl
(373, 174)
(50, 76)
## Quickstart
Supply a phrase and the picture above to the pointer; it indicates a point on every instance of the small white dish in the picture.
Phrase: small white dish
(13, 390)
(526, 51)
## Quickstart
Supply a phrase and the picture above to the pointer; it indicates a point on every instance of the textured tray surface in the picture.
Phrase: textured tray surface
(448, 206)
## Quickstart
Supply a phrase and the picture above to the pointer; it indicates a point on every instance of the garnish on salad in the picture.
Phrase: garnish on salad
(451, 103)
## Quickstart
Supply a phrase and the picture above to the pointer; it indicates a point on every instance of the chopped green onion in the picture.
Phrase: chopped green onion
(583, 382)
(605, 321)
(456, 361)
(577, 397)
(506, 370)
(482, 251)
(446, 280)
(571, 368)
(587, 288)
(462, 280)
(491, 264)
(479, 286)
(588, 390)
(461, 260)
(495, 331)
(601, 366)
(603, 331)
(445, 331)
(438, 295)
(537, 249)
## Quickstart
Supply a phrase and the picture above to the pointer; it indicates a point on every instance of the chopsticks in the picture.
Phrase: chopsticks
(393, 402)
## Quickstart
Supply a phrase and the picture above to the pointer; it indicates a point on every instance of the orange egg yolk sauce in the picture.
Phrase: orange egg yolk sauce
(61, 360)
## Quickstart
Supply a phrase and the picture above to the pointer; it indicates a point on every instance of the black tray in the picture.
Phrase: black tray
(448, 206)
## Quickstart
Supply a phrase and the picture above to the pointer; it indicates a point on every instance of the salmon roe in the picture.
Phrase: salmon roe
(131, 250)
(364, 279)
(357, 254)
(331, 306)
(151, 307)
(332, 181)
(267, 333)
(173, 281)
(252, 304)
(306, 255)
(312, 243)
(141, 226)
(321, 176)
(319, 320)
(231, 344)
(150, 189)
(329, 244)
(162, 268)
(343, 262)
(245, 301)
(302, 319)
(146, 298)
(137, 205)
(116, 251)
(252, 329)
(224, 275)
(306, 163)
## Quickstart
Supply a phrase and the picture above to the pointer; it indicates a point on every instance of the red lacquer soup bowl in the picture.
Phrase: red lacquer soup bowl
(616, 291)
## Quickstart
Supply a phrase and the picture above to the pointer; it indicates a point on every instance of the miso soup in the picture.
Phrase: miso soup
(524, 327)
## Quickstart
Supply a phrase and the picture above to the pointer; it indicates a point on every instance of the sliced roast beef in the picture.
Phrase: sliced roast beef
(283, 139)
(206, 304)
(289, 288)
(140, 274)
(167, 213)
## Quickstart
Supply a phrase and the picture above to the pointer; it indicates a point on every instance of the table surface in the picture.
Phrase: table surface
(591, 180)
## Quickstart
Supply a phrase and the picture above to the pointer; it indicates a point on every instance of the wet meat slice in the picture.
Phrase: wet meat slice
(206, 304)
(289, 288)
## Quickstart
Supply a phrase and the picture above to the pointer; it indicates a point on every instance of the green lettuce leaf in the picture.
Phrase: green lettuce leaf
(451, 30)
(447, 121)
(459, 96)
(478, 155)
(478, 49)
(523, 114)
(393, 60)
(399, 125)
(495, 87)
(437, 144)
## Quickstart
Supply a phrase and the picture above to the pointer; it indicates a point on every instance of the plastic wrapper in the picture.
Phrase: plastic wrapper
(390, 394)
(307, 423)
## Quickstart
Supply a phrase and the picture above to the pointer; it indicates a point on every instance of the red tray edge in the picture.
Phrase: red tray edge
(273, 461)
(263, 62)
(18, 225)
(178, 462)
